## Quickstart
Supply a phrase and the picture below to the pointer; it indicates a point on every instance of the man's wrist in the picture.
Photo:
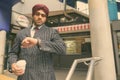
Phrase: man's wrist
(38, 42)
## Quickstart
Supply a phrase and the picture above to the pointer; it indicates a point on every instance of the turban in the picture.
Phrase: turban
(40, 7)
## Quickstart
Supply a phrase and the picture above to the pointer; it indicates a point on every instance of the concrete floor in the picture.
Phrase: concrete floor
(78, 75)
(61, 74)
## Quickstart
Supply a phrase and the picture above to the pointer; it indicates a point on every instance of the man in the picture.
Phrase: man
(36, 47)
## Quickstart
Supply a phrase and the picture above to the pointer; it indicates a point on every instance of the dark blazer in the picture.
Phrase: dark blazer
(39, 60)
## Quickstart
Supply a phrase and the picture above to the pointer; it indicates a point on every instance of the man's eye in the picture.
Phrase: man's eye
(40, 14)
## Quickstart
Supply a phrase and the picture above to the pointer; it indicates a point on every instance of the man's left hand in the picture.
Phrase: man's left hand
(29, 42)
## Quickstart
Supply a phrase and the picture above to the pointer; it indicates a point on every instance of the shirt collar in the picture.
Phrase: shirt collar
(33, 27)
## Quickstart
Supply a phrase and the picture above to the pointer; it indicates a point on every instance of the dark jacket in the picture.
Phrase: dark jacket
(39, 60)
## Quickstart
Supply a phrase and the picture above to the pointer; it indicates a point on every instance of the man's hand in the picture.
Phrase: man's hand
(16, 70)
(28, 42)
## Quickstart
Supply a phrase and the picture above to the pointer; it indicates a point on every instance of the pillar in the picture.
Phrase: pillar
(2, 49)
(101, 40)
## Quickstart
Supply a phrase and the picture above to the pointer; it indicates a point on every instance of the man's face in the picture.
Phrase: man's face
(39, 18)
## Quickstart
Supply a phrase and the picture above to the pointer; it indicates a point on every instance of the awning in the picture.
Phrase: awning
(5, 13)
(6, 4)
(73, 28)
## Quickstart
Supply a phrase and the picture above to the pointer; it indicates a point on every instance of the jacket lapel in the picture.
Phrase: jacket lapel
(28, 32)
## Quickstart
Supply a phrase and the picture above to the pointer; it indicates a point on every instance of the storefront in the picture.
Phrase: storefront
(77, 40)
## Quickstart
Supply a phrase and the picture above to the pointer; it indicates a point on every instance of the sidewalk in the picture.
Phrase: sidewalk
(61, 74)
(8, 75)
(4, 77)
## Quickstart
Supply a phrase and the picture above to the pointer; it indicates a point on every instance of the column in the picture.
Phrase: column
(2, 49)
(101, 40)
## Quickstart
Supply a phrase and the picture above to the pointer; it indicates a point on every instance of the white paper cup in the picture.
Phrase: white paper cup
(21, 64)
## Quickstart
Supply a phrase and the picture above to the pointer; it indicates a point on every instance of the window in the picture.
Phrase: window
(76, 44)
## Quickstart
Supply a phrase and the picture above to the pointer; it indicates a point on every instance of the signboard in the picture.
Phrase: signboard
(19, 20)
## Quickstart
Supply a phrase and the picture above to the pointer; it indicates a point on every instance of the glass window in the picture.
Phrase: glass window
(75, 44)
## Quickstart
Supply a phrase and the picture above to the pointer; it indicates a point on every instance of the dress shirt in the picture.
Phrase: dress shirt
(33, 30)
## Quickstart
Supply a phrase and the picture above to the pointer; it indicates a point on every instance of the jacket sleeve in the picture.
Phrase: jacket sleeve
(55, 45)
(13, 53)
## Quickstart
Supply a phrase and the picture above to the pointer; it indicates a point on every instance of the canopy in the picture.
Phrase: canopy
(5, 13)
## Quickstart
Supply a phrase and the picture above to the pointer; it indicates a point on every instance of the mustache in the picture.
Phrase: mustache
(39, 19)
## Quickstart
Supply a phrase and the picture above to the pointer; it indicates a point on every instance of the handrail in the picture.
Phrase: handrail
(92, 60)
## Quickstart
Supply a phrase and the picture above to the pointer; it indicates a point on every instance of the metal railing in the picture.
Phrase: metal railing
(92, 60)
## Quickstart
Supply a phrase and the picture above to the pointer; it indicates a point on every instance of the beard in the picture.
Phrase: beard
(38, 22)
